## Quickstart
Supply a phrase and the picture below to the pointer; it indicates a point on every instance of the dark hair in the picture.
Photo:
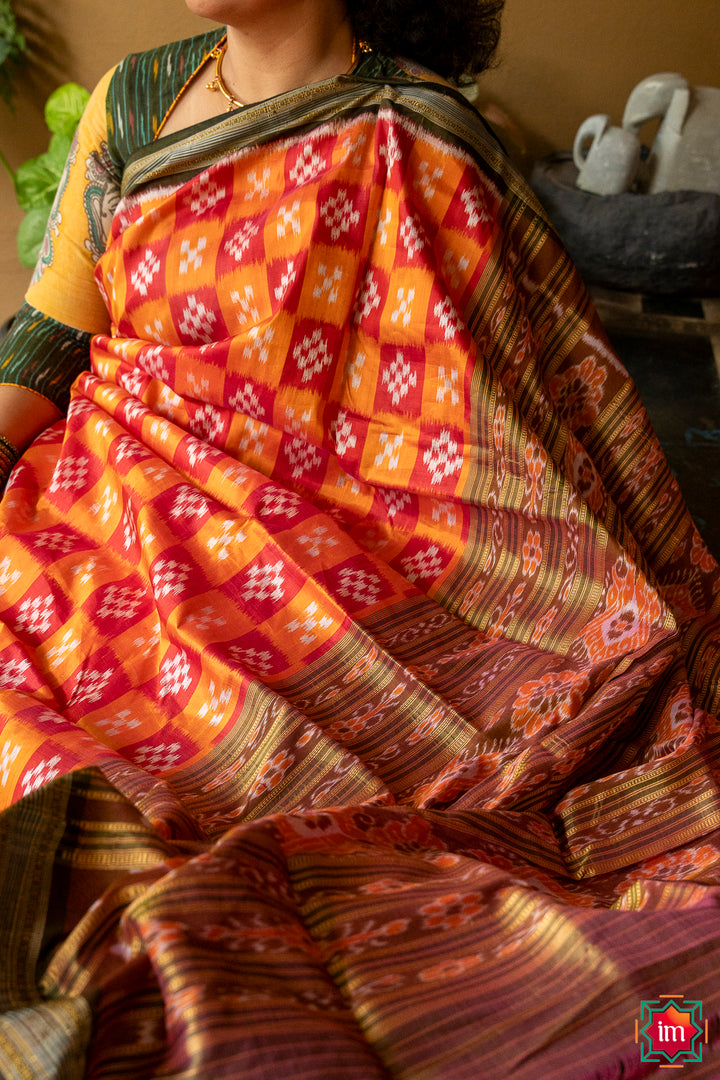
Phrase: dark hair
(454, 38)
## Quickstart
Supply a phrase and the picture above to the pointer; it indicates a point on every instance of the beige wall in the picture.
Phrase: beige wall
(560, 61)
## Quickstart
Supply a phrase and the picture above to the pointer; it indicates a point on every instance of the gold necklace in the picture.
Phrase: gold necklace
(217, 83)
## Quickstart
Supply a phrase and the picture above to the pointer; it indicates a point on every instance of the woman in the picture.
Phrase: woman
(359, 656)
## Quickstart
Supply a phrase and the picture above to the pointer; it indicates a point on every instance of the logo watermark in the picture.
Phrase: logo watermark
(670, 1031)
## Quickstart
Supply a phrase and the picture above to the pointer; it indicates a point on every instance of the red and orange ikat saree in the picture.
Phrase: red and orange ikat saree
(359, 657)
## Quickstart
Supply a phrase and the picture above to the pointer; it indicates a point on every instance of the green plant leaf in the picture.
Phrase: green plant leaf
(12, 42)
(7, 18)
(36, 182)
(64, 108)
(31, 234)
(12, 46)
(58, 151)
(9, 32)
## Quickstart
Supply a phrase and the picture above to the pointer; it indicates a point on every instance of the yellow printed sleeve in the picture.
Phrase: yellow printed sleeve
(63, 285)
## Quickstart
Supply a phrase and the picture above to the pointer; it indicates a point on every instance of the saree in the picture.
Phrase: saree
(359, 656)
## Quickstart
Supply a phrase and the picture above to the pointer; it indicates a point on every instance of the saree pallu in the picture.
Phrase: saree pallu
(359, 656)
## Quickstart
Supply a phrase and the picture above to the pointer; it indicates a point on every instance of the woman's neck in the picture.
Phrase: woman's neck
(269, 55)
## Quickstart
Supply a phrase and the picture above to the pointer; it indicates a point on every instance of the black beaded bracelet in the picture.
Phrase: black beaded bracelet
(9, 449)
(9, 456)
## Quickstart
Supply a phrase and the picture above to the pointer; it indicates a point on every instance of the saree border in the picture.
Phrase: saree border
(440, 109)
